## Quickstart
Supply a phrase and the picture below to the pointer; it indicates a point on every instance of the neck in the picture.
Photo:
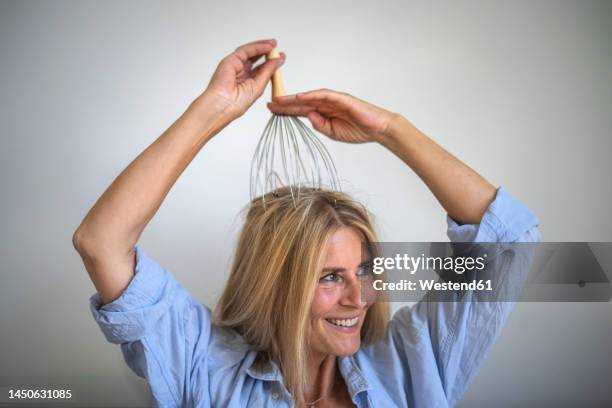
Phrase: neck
(322, 377)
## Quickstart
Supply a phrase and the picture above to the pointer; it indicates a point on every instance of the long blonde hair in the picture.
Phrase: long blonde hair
(278, 259)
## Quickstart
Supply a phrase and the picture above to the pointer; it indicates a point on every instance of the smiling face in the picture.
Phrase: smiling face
(338, 311)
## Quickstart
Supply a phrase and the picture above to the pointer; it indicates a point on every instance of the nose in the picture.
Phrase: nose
(352, 296)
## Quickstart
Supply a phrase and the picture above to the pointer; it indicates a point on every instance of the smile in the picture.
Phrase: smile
(344, 322)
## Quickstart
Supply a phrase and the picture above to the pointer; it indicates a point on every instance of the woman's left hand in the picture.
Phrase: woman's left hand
(338, 115)
(235, 85)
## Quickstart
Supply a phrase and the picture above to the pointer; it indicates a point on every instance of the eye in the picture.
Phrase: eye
(365, 270)
(330, 277)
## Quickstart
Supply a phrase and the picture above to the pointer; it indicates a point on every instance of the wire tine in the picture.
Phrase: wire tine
(327, 159)
(307, 138)
(292, 142)
(290, 155)
(329, 164)
(264, 155)
(285, 167)
(300, 159)
(257, 161)
(270, 154)
(300, 168)
(294, 171)
(255, 164)
(285, 150)
(298, 162)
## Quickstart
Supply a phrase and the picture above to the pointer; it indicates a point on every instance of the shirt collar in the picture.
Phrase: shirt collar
(355, 381)
(265, 372)
(353, 377)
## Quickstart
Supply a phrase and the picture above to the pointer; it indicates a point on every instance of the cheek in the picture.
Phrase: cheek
(324, 301)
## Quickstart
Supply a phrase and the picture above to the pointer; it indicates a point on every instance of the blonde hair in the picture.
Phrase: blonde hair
(278, 259)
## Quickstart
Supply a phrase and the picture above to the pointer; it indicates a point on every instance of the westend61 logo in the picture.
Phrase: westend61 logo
(413, 264)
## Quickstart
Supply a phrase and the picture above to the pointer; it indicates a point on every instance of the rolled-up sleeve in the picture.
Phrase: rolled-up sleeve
(162, 330)
(459, 332)
(506, 220)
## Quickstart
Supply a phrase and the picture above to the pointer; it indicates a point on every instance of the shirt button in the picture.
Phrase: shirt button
(275, 395)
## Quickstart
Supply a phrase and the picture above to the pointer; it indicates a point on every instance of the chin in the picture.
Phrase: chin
(337, 341)
(347, 352)
(347, 349)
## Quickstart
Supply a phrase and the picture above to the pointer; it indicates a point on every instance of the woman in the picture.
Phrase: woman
(291, 326)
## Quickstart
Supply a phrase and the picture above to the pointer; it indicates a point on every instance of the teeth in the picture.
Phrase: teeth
(344, 322)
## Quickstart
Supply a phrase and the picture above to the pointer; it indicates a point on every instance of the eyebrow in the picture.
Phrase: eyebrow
(341, 269)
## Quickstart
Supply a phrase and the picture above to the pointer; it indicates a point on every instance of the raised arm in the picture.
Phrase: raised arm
(107, 235)
(463, 193)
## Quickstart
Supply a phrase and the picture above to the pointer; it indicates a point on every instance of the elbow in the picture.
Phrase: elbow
(95, 243)
(78, 240)
(84, 241)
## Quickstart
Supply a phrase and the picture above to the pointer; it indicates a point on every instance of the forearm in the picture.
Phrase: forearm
(464, 194)
(119, 216)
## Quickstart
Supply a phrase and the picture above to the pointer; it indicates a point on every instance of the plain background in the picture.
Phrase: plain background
(521, 91)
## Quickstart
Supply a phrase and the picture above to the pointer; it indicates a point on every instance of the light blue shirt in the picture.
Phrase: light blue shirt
(429, 356)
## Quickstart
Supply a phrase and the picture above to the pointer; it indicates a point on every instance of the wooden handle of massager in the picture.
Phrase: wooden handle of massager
(278, 89)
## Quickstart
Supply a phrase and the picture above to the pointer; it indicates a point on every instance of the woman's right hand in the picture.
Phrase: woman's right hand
(338, 115)
(235, 85)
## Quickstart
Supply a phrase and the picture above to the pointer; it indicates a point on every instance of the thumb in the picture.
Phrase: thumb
(265, 71)
(319, 123)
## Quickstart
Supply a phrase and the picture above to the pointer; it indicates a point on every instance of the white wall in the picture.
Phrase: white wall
(521, 91)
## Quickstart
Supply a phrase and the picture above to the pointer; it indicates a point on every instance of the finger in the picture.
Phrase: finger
(299, 110)
(251, 50)
(263, 40)
(324, 95)
(254, 59)
(292, 100)
(240, 63)
(251, 65)
(268, 41)
(285, 99)
(290, 110)
(320, 123)
(265, 71)
(256, 69)
(312, 98)
(323, 107)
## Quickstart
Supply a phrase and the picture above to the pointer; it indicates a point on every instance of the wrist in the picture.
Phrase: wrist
(210, 113)
(398, 128)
